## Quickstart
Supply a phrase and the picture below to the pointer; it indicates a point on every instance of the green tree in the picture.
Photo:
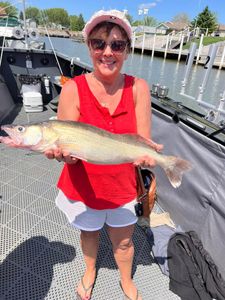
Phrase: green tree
(33, 13)
(77, 22)
(80, 23)
(73, 22)
(137, 23)
(129, 18)
(9, 8)
(205, 20)
(58, 16)
(149, 21)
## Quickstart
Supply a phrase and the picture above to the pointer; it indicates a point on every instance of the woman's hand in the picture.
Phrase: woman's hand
(60, 155)
(147, 161)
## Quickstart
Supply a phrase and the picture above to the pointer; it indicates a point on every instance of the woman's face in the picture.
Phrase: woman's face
(108, 52)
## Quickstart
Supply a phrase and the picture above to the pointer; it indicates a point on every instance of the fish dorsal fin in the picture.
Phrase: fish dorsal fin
(141, 139)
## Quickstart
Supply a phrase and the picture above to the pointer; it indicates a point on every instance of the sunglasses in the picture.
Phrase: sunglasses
(99, 45)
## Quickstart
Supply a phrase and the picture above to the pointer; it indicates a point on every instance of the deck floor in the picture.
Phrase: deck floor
(40, 255)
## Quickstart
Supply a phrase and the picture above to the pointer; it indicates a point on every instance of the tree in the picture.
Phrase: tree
(58, 16)
(137, 23)
(9, 8)
(32, 13)
(81, 22)
(181, 18)
(205, 20)
(129, 18)
(73, 22)
(149, 21)
(77, 22)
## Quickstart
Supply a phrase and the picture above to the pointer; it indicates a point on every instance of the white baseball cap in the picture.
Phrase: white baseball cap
(113, 16)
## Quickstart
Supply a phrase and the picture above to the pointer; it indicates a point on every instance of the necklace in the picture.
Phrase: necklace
(110, 90)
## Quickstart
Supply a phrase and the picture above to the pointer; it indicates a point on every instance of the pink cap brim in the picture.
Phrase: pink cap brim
(113, 16)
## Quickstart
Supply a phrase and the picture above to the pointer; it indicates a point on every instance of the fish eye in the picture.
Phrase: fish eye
(20, 128)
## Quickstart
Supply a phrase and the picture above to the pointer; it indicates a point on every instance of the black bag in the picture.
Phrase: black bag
(193, 273)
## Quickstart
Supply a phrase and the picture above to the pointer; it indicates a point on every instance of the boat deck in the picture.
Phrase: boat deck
(40, 255)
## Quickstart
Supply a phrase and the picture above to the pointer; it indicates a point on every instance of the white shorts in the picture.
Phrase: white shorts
(89, 219)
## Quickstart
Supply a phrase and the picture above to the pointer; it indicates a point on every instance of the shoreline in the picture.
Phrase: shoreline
(159, 52)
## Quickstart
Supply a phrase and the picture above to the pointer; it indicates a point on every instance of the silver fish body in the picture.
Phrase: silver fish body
(93, 145)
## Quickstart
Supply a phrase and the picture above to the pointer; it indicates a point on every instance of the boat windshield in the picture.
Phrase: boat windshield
(12, 22)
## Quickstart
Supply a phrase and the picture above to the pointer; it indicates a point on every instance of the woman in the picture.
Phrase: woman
(92, 195)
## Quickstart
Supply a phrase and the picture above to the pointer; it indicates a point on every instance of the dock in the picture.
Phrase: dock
(160, 50)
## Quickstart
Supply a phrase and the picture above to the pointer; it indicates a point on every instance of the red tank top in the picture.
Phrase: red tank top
(102, 186)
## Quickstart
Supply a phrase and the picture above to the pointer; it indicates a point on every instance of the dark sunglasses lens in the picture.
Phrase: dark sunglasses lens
(97, 44)
(118, 46)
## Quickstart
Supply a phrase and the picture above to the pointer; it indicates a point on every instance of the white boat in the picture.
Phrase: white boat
(10, 28)
(14, 35)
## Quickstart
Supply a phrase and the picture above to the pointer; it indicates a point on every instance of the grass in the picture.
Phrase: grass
(207, 40)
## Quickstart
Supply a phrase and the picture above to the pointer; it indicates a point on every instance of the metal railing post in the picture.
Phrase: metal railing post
(181, 47)
(133, 41)
(166, 48)
(153, 46)
(199, 48)
(143, 44)
(189, 63)
(208, 67)
(222, 58)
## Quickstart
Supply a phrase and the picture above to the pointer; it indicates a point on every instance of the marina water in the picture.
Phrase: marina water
(168, 72)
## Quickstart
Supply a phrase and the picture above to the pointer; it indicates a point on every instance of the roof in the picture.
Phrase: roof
(2, 11)
(221, 27)
(174, 25)
(146, 29)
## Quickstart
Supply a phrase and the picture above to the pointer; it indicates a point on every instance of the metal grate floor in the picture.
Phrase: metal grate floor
(40, 256)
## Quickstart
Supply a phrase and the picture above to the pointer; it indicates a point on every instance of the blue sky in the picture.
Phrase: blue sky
(162, 10)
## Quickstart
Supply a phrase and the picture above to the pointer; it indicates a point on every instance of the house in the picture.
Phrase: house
(167, 27)
(220, 31)
(146, 29)
(162, 28)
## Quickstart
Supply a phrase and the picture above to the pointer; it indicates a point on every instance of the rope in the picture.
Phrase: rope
(3, 41)
(53, 49)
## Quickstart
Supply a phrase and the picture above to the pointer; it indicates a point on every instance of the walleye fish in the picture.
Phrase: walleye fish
(92, 144)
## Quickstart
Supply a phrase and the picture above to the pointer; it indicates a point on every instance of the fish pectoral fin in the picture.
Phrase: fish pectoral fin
(72, 151)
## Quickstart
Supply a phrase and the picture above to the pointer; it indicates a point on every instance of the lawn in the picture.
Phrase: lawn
(207, 40)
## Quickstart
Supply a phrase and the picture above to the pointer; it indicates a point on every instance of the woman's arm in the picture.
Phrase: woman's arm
(69, 104)
(142, 99)
(142, 107)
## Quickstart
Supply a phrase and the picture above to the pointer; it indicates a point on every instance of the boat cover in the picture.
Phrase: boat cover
(199, 203)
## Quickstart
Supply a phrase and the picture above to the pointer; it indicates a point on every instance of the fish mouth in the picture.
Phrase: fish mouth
(11, 134)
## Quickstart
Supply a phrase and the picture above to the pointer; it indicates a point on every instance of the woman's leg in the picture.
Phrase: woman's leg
(89, 245)
(123, 250)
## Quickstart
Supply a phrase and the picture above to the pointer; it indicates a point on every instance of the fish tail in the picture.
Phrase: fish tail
(174, 169)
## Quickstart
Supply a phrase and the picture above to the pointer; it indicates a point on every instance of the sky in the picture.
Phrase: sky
(161, 10)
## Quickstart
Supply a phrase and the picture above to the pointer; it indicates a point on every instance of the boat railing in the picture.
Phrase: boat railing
(214, 113)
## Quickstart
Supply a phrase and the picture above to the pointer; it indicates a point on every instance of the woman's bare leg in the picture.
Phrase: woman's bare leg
(123, 250)
(89, 245)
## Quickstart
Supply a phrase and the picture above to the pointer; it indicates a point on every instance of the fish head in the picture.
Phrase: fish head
(24, 135)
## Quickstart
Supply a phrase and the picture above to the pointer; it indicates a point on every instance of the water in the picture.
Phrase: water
(167, 72)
